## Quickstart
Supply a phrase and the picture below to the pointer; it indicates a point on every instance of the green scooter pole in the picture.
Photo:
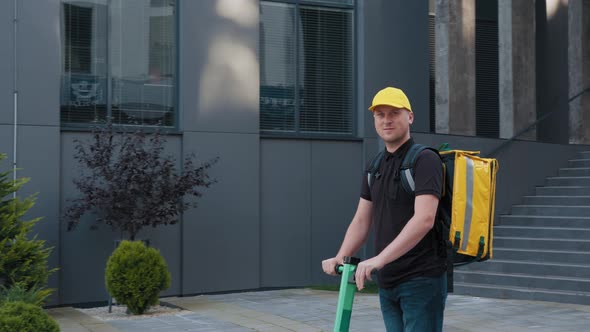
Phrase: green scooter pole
(346, 295)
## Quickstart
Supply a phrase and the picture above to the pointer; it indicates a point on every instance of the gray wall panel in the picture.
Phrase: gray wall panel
(219, 81)
(336, 175)
(84, 252)
(285, 212)
(221, 236)
(38, 156)
(39, 62)
(396, 53)
(6, 61)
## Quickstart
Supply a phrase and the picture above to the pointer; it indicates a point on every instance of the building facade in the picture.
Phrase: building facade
(278, 90)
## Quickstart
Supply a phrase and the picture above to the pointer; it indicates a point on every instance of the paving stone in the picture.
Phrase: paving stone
(305, 310)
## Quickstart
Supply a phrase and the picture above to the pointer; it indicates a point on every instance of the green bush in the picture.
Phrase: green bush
(20, 293)
(24, 260)
(135, 276)
(23, 257)
(25, 317)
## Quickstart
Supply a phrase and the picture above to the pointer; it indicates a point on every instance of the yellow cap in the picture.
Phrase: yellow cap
(392, 97)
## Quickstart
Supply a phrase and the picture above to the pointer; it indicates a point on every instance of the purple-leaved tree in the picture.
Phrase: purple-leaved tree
(128, 182)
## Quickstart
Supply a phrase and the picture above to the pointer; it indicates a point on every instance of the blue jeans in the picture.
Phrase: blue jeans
(416, 305)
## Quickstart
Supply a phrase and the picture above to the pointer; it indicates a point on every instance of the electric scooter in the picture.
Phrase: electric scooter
(346, 295)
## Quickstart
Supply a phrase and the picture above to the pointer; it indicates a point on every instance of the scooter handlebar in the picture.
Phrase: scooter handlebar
(347, 260)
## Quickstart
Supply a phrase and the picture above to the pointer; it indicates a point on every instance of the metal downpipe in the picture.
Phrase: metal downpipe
(15, 93)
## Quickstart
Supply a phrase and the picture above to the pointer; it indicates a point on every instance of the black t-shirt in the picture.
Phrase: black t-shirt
(393, 208)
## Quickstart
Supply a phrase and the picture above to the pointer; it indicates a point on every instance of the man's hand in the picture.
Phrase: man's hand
(364, 269)
(329, 265)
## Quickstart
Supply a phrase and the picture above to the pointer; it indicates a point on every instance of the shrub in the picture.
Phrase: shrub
(20, 293)
(25, 317)
(128, 181)
(135, 276)
(23, 259)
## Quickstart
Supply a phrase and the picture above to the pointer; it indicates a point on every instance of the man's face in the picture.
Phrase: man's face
(392, 124)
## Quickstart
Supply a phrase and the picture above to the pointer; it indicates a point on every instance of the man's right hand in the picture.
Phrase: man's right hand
(329, 265)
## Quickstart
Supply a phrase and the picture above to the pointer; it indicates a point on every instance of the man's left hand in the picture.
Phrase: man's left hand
(364, 269)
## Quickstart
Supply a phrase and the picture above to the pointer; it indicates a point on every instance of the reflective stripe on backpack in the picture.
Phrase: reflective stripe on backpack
(407, 169)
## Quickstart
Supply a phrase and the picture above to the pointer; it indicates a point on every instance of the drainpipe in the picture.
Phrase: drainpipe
(15, 92)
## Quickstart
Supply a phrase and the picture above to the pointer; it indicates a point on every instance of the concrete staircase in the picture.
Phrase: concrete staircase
(541, 250)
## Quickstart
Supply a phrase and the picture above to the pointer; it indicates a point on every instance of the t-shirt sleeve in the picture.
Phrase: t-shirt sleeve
(365, 190)
(428, 176)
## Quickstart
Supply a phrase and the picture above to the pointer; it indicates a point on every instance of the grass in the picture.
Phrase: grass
(370, 288)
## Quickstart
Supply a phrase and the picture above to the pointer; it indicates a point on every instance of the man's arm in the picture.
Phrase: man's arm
(425, 207)
(356, 235)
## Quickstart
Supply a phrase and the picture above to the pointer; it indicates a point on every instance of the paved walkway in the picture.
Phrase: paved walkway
(305, 310)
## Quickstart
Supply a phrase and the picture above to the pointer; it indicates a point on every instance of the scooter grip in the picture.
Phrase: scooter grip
(339, 268)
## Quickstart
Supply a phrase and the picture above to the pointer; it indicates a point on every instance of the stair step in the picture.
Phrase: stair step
(577, 171)
(535, 268)
(541, 243)
(544, 221)
(543, 232)
(569, 181)
(521, 293)
(552, 210)
(563, 191)
(557, 200)
(579, 163)
(522, 280)
(542, 250)
(538, 255)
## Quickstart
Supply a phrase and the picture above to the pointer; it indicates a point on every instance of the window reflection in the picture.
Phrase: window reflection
(119, 62)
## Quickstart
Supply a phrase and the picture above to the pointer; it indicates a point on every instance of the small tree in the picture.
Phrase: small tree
(23, 260)
(135, 276)
(129, 183)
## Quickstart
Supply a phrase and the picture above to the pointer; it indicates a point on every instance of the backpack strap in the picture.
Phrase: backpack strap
(407, 168)
(373, 171)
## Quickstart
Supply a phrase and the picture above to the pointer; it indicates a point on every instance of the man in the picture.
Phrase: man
(410, 263)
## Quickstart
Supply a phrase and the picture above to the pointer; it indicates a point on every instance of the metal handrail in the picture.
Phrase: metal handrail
(534, 124)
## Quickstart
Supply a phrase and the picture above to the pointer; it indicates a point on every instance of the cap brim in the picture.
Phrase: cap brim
(372, 108)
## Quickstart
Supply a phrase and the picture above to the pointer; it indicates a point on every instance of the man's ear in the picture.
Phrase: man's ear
(411, 117)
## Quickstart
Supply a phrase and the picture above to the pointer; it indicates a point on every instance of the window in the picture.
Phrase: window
(306, 67)
(119, 62)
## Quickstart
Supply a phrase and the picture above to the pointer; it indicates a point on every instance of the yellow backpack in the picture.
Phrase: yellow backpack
(472, 180)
